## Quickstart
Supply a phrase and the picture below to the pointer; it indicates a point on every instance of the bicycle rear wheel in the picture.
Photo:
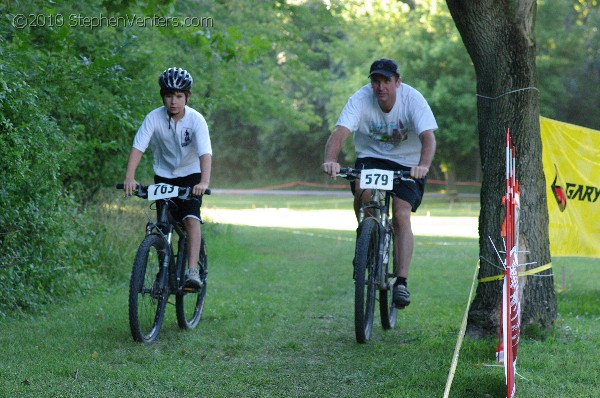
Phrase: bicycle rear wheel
(147, 300)
(189, 303)
(387, 309)
(365, 266)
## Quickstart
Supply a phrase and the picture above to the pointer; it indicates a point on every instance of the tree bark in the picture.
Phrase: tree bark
(499, 37)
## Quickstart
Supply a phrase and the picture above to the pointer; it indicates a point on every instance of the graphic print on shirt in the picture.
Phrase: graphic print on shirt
(186, 138)
(392, 135)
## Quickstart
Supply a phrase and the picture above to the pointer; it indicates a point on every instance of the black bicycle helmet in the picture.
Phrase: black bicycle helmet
(175, 79)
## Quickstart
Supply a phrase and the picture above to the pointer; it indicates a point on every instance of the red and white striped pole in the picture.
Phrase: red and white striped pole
(510, 317)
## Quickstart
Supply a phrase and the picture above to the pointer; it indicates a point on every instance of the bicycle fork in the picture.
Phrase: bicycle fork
(382, 258)
(384, 253)
(163, 274)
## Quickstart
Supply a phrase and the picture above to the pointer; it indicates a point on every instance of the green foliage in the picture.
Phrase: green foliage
(444, 71)
(271, 78)
(41, 250)
(267, 76)
(568, 60)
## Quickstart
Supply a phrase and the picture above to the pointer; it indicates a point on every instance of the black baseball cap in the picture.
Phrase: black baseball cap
(385, 67)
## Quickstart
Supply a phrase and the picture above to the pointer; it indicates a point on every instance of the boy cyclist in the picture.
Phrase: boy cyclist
(180, 142)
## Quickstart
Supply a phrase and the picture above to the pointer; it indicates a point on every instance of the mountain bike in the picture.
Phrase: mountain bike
(159, 268)
(374, 242)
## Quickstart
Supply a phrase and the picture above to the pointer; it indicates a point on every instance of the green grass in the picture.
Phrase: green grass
(278, 322)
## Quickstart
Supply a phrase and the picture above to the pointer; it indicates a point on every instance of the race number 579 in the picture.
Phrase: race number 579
(377, 179)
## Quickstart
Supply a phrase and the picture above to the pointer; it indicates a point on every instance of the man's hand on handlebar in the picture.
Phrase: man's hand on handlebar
(331, 168)
(419, 171)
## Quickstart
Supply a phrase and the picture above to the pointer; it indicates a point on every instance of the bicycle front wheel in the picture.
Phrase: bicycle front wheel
(147, 299)
(387, 309)
(189, 303)
(365, 266)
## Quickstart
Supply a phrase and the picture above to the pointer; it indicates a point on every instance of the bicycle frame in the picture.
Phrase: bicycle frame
(165, 225)
(380, 205)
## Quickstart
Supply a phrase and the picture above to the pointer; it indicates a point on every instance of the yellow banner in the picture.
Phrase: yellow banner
(571, 160)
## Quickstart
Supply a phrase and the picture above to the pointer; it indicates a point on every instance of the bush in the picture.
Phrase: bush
(43, 244)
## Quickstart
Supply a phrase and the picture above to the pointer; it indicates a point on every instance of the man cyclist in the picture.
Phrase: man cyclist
(393, 129)
(179, 139)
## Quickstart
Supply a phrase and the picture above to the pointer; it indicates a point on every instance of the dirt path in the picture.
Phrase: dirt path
(337, 220)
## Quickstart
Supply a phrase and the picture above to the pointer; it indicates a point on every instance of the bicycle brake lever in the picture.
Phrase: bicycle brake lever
(409, 179)
(187, 194)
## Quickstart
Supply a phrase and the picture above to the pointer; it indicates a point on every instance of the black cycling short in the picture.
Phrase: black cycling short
(183, 208)
(407, 191)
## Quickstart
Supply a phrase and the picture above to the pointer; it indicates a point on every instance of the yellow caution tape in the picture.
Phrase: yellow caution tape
(536, 270)
(524, 273)
(491, 278)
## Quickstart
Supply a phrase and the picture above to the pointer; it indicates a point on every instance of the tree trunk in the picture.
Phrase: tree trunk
(499, 36)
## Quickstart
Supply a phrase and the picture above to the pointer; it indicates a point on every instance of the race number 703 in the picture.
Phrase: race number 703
(161, 191)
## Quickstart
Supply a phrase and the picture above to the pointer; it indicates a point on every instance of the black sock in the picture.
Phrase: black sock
(401, 281)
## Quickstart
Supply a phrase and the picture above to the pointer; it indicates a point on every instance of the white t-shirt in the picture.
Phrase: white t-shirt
(394, 135)
(176, 148)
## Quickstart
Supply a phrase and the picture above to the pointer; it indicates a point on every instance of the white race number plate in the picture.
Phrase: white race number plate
(377, 179)
(162, 191)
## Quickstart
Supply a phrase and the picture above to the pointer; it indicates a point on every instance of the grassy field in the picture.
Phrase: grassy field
(278, 322)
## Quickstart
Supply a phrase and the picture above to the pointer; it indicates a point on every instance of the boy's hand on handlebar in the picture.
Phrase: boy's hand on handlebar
(331, 168)
(129, 186)
(419, 171)
(200, 188)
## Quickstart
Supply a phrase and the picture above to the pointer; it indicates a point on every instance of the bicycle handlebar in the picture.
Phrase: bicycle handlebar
(142, 191)
(354, 174)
